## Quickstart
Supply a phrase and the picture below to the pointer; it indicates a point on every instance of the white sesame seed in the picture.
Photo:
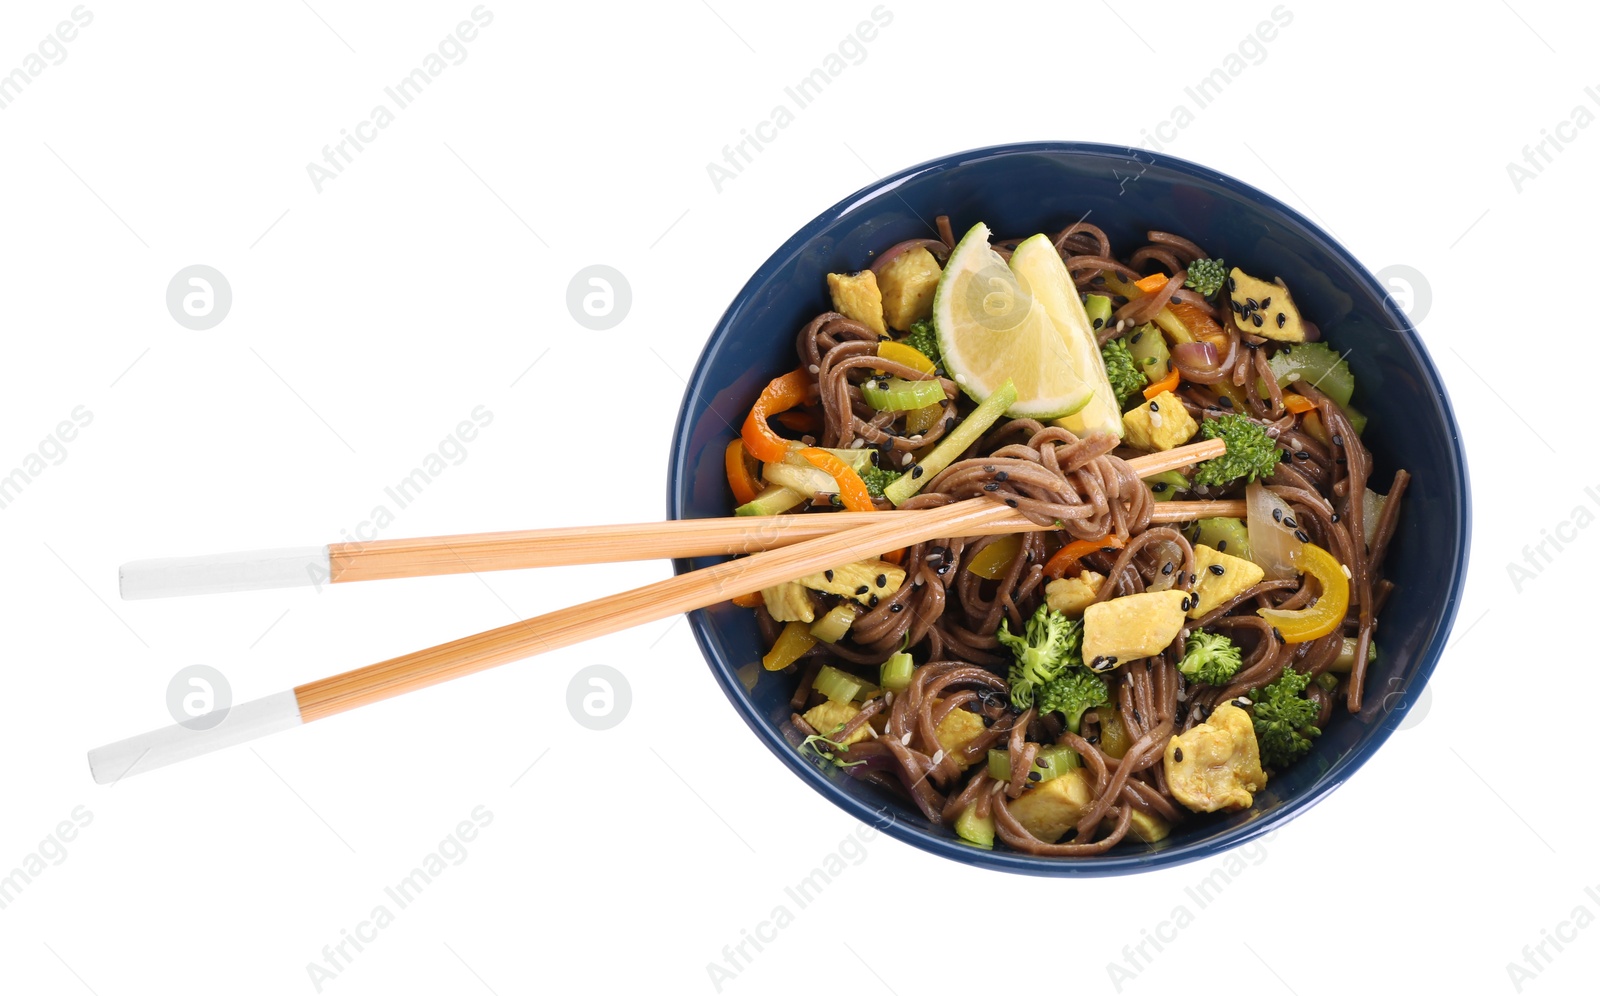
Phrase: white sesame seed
(1292, 378)
(1272, 432)
(905, 461)
(1346, 569)
(1241, 700)
(961, 379)
(857, 443)
(1155, 420)
(888, 698)
(812, 368)
(906, 739)
(938, 756)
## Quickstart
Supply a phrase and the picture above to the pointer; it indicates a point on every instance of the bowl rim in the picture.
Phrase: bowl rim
(1109, 864)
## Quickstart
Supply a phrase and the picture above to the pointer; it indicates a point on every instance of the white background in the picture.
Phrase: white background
(430, 278)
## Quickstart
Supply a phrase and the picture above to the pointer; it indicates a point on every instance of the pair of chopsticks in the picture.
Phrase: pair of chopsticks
(781, 548)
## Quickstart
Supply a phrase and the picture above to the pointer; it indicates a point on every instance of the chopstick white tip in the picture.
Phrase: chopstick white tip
(168, 745)
(249, 570)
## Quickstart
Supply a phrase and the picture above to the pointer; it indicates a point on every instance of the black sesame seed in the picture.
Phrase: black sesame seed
(1011, 502)
(872, 602)
(1098, 322)
(882, 579)
(916, 472)
(1231, 285)
(1256, 320)
(862, 590)
(1134, 339)
(1252, 303)
(1108, 549)
(1277, 515)
(1094, 739)
(1282, 319)
(1042, 762)
(1217, 570)
(1335, 517)
(828, 574)
(873, 457)
(1213, 408)
(1177, 753)
(1166, 568)
(885, 445)
(1278, 635)
(1225, 401)
(1002, 476)
(1300, 534)
(1338, 440)
(1158, 487)
(1138, 718)
(1222, 545)
(1266, 302)
(991, 486)
(949, 423)
(1302, 455)
(1288, 521)
(1191, 584)
(1154, 407)
(1034, 776)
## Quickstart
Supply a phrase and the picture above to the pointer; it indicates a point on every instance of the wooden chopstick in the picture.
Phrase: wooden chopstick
(378, 560)
(562, 628)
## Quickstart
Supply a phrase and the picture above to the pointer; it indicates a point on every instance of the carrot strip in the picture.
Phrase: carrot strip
(852, 489)
(781, 394)
(1065, 560)
(1167, 383)
(740, 479)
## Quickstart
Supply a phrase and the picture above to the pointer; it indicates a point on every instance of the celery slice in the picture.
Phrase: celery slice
(898, 395)
(1098, 308)
(1052, 761)
(832, 627)
(895, 674)
(953, 445)
(772, 501)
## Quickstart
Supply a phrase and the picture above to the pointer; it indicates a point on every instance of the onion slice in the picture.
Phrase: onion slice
(1195, 357)
(1272, 539)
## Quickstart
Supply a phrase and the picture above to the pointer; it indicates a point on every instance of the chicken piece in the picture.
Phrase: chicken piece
(1161, 427)
(956, 730)
(1051, 808)
(1070, 596)
(907, 285)
(827, 717)
(1124, 629)
(1216, 765)
(1214, 587)
(789, 602)
(857, 296)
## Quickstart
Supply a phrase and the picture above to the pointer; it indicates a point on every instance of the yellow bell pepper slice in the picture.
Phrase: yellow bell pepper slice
(899, 352)
(794, 641)
(991, 562)
(1304, 625)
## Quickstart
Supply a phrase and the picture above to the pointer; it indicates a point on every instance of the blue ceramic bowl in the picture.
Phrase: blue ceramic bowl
(1019, 190)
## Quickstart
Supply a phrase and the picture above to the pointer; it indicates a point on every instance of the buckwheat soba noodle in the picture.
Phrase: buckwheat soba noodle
(1114, 675)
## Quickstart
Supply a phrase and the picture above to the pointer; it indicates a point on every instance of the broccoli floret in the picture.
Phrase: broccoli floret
(1206, 276)
(1284, 719)
(1051, 643)
(925, 340)
(1210, 657)
(1251, 454)
(1074, 693)
(1126, 378)
(878, 478)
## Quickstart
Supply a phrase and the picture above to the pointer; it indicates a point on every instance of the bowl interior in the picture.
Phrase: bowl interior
(1020, 190)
